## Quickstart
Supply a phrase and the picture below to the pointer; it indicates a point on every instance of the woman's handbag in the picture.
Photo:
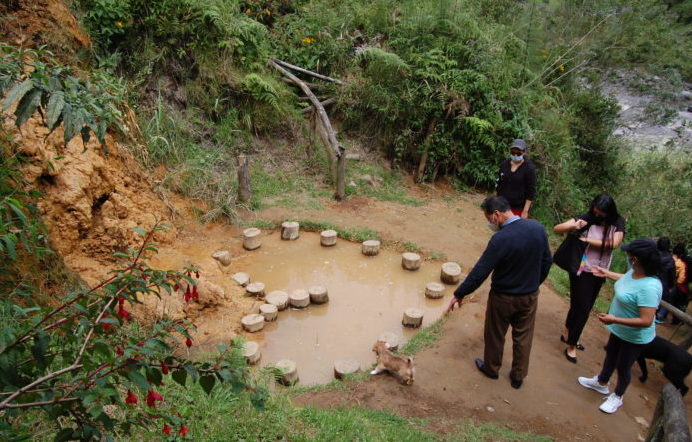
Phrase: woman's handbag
(568, 255)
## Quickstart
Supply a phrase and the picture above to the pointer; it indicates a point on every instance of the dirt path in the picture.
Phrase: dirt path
(447, 382)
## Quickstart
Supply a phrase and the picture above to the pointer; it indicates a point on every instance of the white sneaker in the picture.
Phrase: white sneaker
(593, 384)
(611, 404)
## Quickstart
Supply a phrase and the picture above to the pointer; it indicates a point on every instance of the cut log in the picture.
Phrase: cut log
(370, 247)
(392, 339)
(223, 257)
(253, 323)
(278, 298)
(450, 273)
(410, 261)
(434, 290)
(255, 289)
(269, 311)
(413, 317)
(318, 294)
(289, 372)
(328, 238)
(241, 278)
(244, 190)
(251, 238)
(299, 298)
(251, 351)
(290, 230)
(345, 367)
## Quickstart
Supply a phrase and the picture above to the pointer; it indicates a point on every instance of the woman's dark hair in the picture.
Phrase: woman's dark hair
(679, 250)
(663, 244)
(606, 204)
(650, 262)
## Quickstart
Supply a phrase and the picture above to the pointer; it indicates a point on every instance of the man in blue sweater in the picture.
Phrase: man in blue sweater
(519, 258)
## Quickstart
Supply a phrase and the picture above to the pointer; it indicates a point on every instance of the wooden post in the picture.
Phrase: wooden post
(669, 423)
(244, 190)
(683, 317)
(340, 175)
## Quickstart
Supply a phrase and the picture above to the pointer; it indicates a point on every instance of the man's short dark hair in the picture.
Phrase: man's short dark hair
(493, 203)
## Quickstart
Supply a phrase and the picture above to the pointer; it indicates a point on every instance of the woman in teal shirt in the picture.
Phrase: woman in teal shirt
(630, 318)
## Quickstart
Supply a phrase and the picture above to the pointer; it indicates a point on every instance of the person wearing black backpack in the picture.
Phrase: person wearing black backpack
(602, 229)
(666, 275)
(681, 291)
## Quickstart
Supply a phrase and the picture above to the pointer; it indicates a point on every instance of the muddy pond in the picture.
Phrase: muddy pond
(367, 296)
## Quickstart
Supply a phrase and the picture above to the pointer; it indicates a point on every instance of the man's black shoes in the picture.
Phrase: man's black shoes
(516, 383)
(480, 365)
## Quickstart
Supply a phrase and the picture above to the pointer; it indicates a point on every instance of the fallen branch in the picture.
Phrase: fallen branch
(306, 72)
(324, 103)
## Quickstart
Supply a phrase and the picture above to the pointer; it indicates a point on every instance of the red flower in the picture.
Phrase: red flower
(164, 368)
(188, 342)
(106, 326)
(122, 313)
(195, 293)
(197, 275)
(166, 430)
(131, 398)
(175, 287)
(119, 351)
(183, 430)
(152, 397)
(188, 294)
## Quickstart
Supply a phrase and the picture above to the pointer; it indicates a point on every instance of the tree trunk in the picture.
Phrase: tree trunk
(418, 177)
(244, 190)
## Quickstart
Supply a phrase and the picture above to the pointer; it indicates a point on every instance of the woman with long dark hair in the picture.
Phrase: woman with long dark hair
(602, 229)
(630, 318)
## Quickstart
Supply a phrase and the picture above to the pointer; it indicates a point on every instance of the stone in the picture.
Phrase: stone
(223, 257)
(269, 311)
(434, 290)
(277, 298)
(450, 273)
(253, 322)
(251, 238)
(252, 353)
(345, 367)
(370, 247)
(241, 278)
(255, 289)
(290, 230)
(410, 261)
(299, 298)
(318, 294)
(328, 238)
(413, 317)
(289, 372)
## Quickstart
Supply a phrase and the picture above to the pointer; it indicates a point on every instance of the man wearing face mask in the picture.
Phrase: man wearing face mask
(517, 179)
(519, 258)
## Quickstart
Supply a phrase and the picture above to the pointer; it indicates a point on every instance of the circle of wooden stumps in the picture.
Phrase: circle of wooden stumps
(277, 298)
(345, 367)
(255, 289)
(223, 257)
(450, 273)
(289, 372)
(299, 298)
(253, 322)
(241, 278)
(410, 261)
(269, 311)
(413, 317)
(252, 353)
(251, 238)
(370, 247)
(434, 290)
(318, 294)
(290, 230)
(390, 338)
(328, 238)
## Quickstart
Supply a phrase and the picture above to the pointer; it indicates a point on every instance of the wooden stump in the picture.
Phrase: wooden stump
(413, 317)
(289, 372)
(252, 353)
(269, 311)
(434, 290)
(290, 230)
(223, 257)
(241, 278)
(255, 289)
(410, 261)
(253, 323)
(328, 238)
(450, 273)
(299, 298)
(251, 238)
(318, 294)
(390, 338)
(277, 298)
(345, 367)
(370, 247)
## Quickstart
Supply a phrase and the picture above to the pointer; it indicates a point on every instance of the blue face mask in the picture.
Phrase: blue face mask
(517, 158)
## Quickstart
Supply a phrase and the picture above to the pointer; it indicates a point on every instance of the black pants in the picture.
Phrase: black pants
(583, 291)
(620, 356)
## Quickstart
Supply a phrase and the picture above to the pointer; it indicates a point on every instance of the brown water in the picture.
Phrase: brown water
(367, 296)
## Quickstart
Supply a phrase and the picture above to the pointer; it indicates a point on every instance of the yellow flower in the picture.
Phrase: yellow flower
(562, 67)
(248, 11)
(308, 40)
(119, 24)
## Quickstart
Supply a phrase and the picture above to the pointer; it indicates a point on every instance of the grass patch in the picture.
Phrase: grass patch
(425, 338)
(559, 281)
(376, 182)
(437, 256)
